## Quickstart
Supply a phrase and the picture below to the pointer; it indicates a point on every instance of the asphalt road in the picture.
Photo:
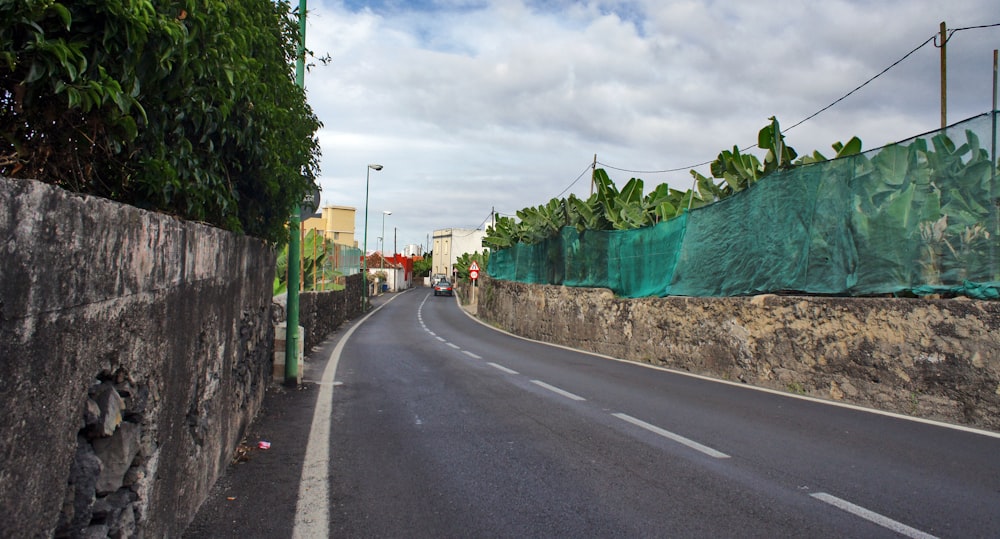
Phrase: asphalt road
(438, 426)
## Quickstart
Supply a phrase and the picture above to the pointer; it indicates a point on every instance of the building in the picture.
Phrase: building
(335, 222)
(451, 243)
(388, 274)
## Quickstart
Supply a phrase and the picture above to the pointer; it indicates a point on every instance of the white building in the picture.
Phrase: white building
(451, 243)
(412, 250)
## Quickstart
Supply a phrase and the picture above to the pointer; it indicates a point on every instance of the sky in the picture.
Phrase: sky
(473, 106)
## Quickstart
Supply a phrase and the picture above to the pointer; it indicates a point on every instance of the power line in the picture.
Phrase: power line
(589, 165)
(820, 111)
(848, 94)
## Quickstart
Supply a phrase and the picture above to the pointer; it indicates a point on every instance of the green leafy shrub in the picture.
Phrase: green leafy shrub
(182, 106)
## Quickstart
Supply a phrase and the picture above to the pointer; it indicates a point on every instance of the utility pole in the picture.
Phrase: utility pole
(944, 74)
(593, 174)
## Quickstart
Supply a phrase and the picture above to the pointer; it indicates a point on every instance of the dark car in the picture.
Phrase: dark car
(442, 288)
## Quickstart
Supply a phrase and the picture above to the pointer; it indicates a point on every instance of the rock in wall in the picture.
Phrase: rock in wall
(937, 359)
(134, 350)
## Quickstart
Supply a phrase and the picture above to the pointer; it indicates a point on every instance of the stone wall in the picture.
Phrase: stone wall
(134, 350)
(937, 359)
(320, 313)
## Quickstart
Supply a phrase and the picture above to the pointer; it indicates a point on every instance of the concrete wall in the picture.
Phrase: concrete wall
(134, 350)
(937, 359)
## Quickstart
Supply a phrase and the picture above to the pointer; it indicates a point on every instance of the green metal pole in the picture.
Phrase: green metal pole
(364, 271)
(364, 252)
(292, 321)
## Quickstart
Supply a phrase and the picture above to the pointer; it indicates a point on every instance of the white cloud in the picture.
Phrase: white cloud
(472, 105)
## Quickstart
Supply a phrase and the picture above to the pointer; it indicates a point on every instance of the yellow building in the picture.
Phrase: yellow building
(335, 222)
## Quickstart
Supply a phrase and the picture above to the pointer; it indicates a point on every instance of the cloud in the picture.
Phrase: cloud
(473, 105)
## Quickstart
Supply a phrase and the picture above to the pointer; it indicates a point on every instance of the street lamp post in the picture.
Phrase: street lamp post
(364, 274)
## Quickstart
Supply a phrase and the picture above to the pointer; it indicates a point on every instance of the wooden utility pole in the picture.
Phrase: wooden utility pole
(944, 75)
(593, 174)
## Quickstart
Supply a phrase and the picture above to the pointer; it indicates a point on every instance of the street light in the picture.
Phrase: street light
(364, 274)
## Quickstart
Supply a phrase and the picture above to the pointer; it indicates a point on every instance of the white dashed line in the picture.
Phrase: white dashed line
(555, 389)
(675, 437)
(470, 354)
(872, 516)
(455, 346)
(442, 339)
(502, 368)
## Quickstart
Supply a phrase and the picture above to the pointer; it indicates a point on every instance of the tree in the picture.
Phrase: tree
(422, 267)
(183, 106)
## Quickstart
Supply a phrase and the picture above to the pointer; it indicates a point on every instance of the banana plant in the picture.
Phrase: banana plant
(464, 262)
(585, 214)
(779, 155)
(612, 209)
(853, 147)
(314, 255)
(502, 234)
(543, 221)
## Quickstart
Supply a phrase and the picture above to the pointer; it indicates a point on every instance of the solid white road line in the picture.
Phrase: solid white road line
(555, 389)
(502, 368)
(675, 437)
(872, 516)
(312, 509)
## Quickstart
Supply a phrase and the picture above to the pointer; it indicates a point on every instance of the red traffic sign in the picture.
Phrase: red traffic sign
(473, 274)
(474, 267)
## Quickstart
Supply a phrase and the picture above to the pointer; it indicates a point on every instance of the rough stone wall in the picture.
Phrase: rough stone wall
(937, 359)
(134, 350)
(320, 313)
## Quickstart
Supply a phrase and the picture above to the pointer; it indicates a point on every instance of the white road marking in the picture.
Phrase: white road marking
(439, 338)
(747, 387)
(555, 389)
(470, 354)
(312, 509)
(502, 368)
(453, 345)
(670, 435)
(872, 516)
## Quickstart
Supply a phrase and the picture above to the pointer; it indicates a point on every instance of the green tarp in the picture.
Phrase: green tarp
(918, 216)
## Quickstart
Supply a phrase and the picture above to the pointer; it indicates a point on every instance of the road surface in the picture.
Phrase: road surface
(431, 424)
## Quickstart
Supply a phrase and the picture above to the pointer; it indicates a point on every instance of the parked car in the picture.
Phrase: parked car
(443, 288)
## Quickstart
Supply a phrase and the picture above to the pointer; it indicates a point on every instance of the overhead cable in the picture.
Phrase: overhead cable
(817, 113)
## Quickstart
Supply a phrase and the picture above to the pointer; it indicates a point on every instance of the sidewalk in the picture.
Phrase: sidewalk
(257, 493)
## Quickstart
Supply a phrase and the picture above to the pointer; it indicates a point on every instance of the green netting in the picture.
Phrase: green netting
(919, 216)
